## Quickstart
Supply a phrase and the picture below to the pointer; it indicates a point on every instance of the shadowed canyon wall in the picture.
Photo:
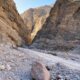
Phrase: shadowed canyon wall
(12, 27)
(62, 28)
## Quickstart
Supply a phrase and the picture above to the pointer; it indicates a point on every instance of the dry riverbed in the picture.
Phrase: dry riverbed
(16, 63)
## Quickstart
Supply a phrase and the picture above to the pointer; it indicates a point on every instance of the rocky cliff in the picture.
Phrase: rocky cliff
(62, 28)
(12, 27)
(34, 18)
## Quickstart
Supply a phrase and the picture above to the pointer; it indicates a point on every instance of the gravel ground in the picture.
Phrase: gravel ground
(64, 72)
(16, 63)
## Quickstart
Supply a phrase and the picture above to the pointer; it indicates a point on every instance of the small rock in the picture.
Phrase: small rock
(39, 72)
(59, 77)
(20, 55)
(49, 68)
(2, 67)
(66, 78)
(8, 67)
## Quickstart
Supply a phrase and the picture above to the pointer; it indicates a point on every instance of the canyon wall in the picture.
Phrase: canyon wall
(62, 28)
(12, 27)
(34, 18)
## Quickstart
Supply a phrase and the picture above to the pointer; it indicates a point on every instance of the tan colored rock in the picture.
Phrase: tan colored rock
(39, 72)
(2, 67)
(12, 27)
(34, 18)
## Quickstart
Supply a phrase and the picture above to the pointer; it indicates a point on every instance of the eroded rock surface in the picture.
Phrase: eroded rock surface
(12, 27)
(62, 28)
(34, 18)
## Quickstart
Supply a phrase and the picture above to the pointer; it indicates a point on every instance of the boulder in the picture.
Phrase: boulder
(39, 72)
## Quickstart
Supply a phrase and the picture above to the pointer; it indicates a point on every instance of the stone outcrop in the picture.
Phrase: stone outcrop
(62, 28)
(34, 18)
(12, 27)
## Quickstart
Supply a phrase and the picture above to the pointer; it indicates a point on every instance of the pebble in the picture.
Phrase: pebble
(8, 67)
(2, 67)
(59, 77)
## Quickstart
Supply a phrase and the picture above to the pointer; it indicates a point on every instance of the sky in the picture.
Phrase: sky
(23, 5)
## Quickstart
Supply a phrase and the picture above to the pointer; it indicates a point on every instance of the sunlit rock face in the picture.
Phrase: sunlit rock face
(12, 27)
(34, 18)
(62, 28)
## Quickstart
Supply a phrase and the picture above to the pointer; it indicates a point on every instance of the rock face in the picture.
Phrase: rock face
(34, 18)
(12, 27)
(39, 72)
(62, 28)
